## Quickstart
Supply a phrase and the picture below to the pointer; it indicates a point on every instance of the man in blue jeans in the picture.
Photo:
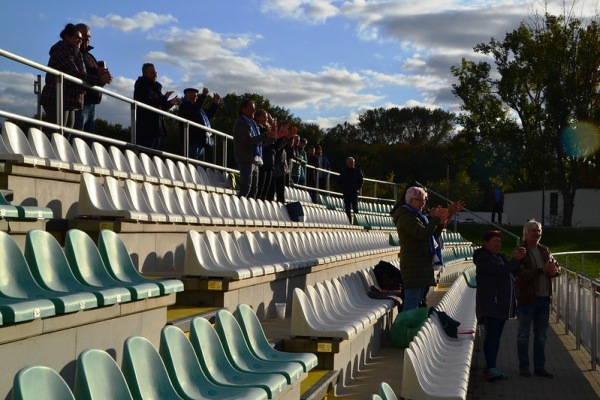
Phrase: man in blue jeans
(533, 292)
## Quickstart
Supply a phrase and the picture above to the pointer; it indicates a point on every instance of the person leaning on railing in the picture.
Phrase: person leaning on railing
(66, 57)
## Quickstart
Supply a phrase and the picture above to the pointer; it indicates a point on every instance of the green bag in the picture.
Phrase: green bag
(407, 325)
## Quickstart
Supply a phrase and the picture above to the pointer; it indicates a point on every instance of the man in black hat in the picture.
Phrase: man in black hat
(192, 108)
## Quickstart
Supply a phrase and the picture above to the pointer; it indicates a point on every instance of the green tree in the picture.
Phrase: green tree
(548, 74)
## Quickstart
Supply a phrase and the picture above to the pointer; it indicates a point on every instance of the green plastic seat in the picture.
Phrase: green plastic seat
(13, 311)
(187, 375)
(87, 266)
(470, 276)
(386, 392)
(7, 210)
(117, 260)
(218, 368)
(145, 372)
(376, 397)
(51, 270)
(241, 357)
(98, 376)
(38, 382)
(259, 345)
(17, 282)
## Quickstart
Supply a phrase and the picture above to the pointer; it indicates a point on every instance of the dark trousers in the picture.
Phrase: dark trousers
(491, 342)
(497, 208)
(248, 179)
(265, 181)
(351, 202)
(536, 315)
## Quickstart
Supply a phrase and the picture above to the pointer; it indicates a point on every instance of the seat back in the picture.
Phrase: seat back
(150, 169)
(85, 260)
(15, 139)
(173, 170)
(116, 194)
(134, 163)
(63, 149)
(48, 263)
(118, 159)
(252, 330)
(116, 257)
(145, 371)
(209, 349)
(40, 144)
(38, 382)
(102, 157)
(16, 279)
(98, 376)
(386, 392)
(84, 155)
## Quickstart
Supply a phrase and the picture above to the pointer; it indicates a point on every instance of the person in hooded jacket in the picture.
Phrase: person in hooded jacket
(495, 297)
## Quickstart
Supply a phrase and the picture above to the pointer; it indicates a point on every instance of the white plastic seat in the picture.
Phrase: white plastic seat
(249, 210)
(219, 208)
(220, 256)
(195, 176)
(120, 163)
(215, 180)
(156, 203)
(172, 205)
(185, 204)
(164, 173)
(150, 170)
(199, 261)
(231, 210)
(116, 195)
(84, 156)
(240, 210)
(251, 250)
(209, 205)
(233, 253)
(256, 208)
(271, 252)
(136, 167)
(325, 314)
(138, 201)
(103, 158)
(174, 172)
(332, 312)
(93, 200)
(344, 305)
(64, 151)
(16, 146)
(198, 206)
(304, 322)
(42, 148)
(184, 171)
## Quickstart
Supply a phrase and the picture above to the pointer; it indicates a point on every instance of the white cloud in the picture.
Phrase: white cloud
(143, 20)
(311, 11)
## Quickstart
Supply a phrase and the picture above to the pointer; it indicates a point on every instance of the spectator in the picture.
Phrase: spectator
(247, 148)
(495, 301)
(303, 157)
(265, 171)
(150, 126)
(533, 292)
(311, 173)
(351, 180)
(420, 249)
(85, 118)
(293, 159)
(497, 201)
(281, 166)
(322, 177)
(66, 57)
(192, 108)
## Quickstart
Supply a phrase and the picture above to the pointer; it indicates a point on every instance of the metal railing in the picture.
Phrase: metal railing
(576, 300)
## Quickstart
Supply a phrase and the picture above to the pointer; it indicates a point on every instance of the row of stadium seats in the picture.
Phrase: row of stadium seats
(339, 308)
(242, 255)
(36, 149)
(231, 361)
(20, 212)
(337, 203)
(44, 280)
(426, 372)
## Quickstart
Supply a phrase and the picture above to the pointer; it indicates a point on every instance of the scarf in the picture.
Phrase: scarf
(255, 132)
(434, 245)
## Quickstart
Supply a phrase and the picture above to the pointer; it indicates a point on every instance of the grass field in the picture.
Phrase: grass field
(558, 239)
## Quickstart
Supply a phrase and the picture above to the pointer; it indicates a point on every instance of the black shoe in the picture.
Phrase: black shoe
(543, 372)
(525, 373)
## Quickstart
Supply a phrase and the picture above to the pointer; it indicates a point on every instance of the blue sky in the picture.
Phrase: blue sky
(327, 61)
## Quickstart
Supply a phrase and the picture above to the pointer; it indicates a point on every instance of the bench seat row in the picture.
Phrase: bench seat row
(437, 366)
(338, 308)
(233, 360)
(44, 280)
(241, 255)
(57, 153)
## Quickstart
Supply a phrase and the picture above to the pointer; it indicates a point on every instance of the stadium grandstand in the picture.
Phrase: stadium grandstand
(128, 272)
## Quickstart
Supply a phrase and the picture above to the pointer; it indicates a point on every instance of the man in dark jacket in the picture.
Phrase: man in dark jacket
(533, 293)
(351, 179)
(150, 126)
(192, 108)
(495, 295)
(85, 118)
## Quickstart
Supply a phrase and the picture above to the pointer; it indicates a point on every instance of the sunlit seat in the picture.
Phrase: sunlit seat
(85, 156)
(42, 148)
(65, 152)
